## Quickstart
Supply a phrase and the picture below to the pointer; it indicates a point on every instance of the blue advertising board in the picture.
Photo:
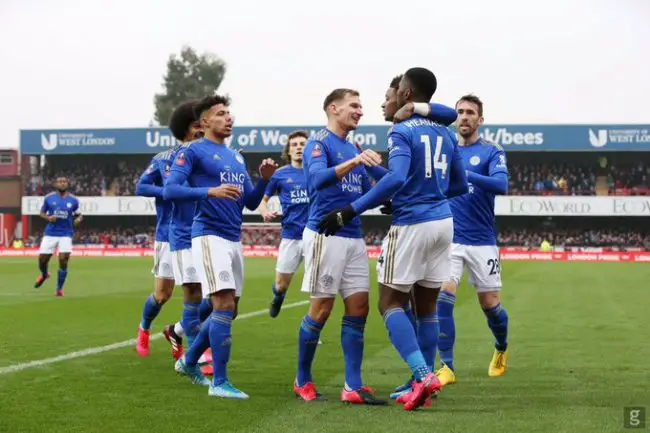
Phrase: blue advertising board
(530, 138)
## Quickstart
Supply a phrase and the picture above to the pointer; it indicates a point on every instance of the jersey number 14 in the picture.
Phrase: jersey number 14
(439, 158)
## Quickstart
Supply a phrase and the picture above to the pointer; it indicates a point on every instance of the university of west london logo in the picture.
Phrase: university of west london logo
(49, 141)
(598, 139)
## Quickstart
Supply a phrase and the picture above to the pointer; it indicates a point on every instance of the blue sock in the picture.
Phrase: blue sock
(447, 336)
(190, 321)
(402, 335)
(205, 309)
(149, 312)
(411, 315)
(352, 343)
(199, 345)
(63, 273)
(220, 343)
(43, 268)
(428, 331)
(307, 344)
(276, 294)
(497, 319)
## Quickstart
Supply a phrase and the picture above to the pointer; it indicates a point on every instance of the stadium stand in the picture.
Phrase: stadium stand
(566, 163)
(543, 178)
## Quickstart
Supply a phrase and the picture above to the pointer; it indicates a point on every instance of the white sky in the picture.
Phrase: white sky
(98, 63)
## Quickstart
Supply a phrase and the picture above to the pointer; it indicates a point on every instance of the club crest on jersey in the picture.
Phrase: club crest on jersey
(68, 205)
(475, 160)
(180, 160)
(316, 151)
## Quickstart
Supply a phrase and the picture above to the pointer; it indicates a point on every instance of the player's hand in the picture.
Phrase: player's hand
(77, 221)
(267, 168)
(51, 218)
(386, 208)
(336, 220)
(229, 192)
(369, 158)
(404, 113)
(269, 216)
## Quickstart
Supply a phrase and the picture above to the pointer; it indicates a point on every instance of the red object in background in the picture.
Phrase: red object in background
(7, 228)
(25, 226)
(373, 252)
(9, 166)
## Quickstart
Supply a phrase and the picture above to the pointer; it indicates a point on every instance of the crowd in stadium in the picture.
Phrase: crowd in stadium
(525, 179)
(88, 180)
(578, 179)
(606, 238)
(567, 238)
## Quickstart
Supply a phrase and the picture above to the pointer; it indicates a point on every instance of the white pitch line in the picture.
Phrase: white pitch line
(101, 349)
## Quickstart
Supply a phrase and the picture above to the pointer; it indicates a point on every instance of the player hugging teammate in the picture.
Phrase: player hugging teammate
(440, 192)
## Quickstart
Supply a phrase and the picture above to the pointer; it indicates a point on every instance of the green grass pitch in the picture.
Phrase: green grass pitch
(579, 354)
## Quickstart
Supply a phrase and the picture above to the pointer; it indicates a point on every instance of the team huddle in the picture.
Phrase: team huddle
(439, 190)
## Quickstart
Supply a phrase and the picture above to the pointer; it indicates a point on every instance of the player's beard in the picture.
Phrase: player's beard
(62, 190)
(467, 135)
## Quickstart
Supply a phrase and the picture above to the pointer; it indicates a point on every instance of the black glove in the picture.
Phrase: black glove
(386, 208)
(334, 221)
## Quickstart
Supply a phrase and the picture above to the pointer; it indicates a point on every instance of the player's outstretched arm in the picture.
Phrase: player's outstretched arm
(437, 112)
(377, 172)
(253, 195)
(384, 190)
(497, 181)
(149, 183)
(267, 215)
(271, 190)
(176, 189)
(398, 166)
(175, 186)
(323, 176)
(457, 176)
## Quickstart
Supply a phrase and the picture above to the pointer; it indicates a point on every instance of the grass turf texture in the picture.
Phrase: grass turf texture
(578, 355)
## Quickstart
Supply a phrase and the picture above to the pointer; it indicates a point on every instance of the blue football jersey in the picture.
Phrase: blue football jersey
(324, 151)
(291, 186)
(205, 165)
(155, 174)
(474, 220)
(433, 152)
(182, 217)
(65, 209)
